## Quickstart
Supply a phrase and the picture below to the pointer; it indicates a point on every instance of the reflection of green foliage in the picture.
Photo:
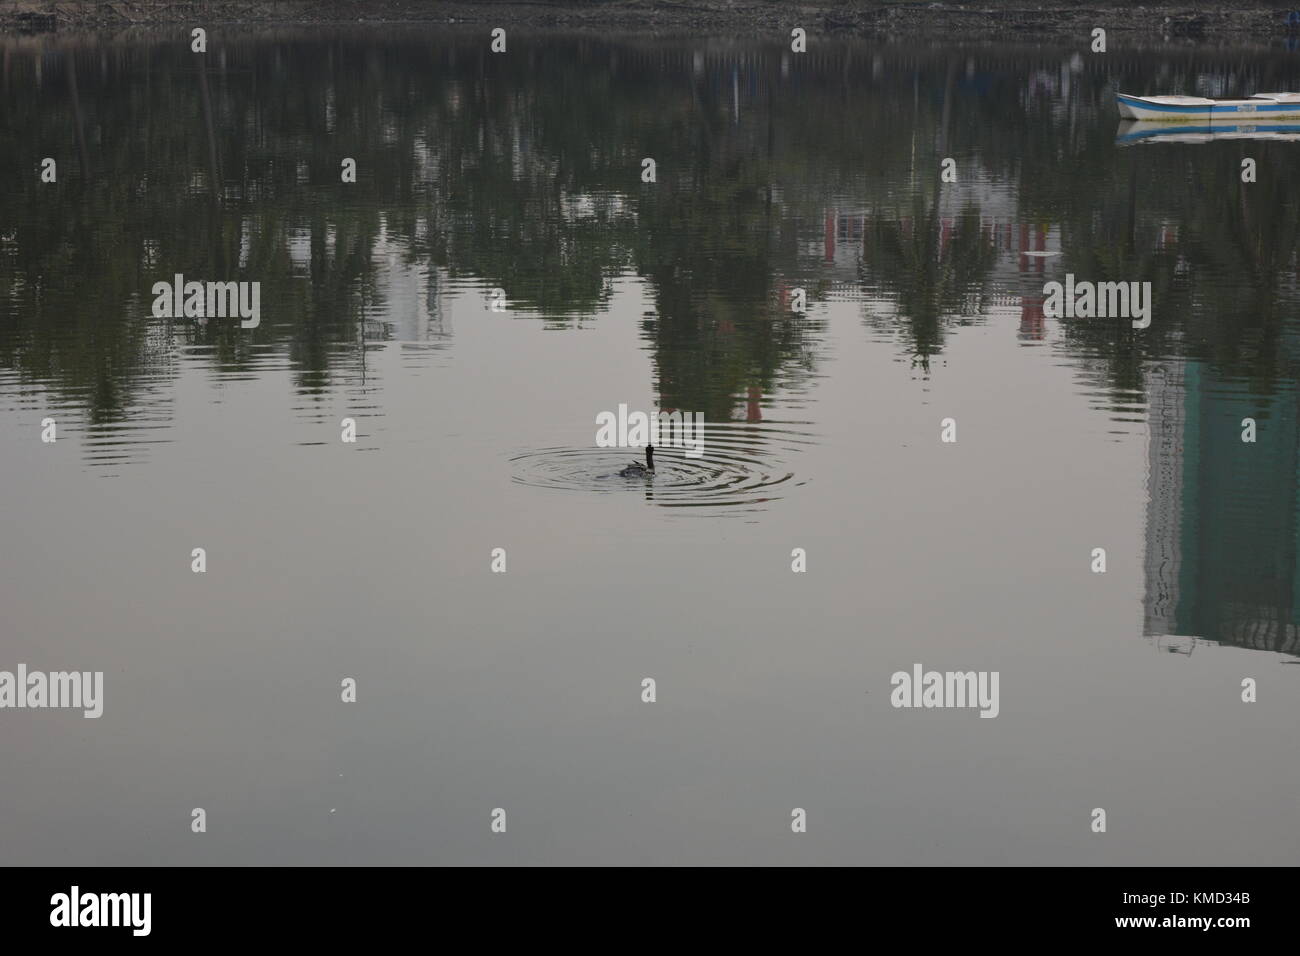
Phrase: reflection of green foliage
(1216, 273)
(932, 281)
(524, 172)
(707, 245)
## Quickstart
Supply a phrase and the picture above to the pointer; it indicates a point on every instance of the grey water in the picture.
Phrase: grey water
(500, 274)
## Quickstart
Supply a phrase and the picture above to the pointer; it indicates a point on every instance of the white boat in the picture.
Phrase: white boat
(1178, 109)
(1203, 131)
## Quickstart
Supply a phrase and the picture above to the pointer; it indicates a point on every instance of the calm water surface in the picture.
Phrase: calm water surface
(476, 431)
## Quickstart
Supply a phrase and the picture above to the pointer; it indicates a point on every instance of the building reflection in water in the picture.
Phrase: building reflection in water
(1221, 529)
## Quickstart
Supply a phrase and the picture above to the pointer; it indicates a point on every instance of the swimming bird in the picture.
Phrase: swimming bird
(638, 470)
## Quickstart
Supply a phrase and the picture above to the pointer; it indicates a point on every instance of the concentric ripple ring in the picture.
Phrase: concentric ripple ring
(743, 466)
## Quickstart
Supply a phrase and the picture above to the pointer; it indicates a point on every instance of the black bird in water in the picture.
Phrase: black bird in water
(638, 470)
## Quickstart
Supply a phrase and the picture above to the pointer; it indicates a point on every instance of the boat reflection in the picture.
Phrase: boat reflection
(1140, 131)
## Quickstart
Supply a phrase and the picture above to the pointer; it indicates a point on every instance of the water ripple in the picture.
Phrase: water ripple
(743, 468)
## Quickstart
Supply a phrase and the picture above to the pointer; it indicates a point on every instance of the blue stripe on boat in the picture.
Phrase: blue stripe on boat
(1264, 107)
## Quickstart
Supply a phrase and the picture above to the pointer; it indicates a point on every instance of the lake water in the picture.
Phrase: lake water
(475, 415)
